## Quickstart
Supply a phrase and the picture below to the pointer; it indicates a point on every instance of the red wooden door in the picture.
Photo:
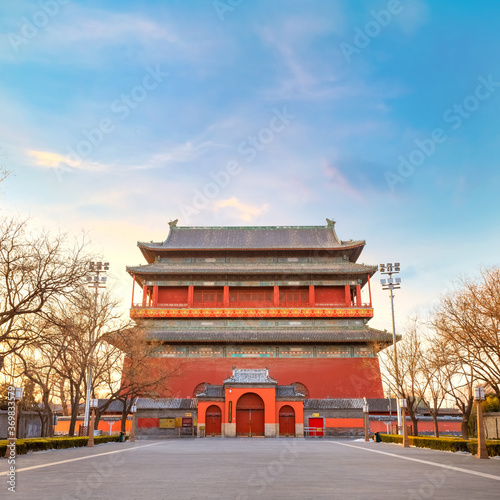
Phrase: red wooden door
(315, 427)
(287, 421)
(250, 415)
(213, 421)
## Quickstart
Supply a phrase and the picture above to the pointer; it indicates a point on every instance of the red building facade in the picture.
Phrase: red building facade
(257, 323)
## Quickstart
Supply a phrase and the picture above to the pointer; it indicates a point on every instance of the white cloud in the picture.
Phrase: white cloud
(182, 153)
(245, 212)
(56, 161)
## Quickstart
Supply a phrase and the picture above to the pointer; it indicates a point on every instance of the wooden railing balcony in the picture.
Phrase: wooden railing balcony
(251, 305)
(241, 311)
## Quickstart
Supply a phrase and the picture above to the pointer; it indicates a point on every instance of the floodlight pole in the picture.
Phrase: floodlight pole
(398, 387)
(94, 280)
(391, 286)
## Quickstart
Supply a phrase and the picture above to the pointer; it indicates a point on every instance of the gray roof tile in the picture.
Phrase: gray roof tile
(333, 404)
(276, 334)
(332, 267)
(288, 391)
(211, 391)
(250, 376)
(254, 238)
(166, 403)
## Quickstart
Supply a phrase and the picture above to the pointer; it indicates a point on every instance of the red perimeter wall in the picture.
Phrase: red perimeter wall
(324, 377)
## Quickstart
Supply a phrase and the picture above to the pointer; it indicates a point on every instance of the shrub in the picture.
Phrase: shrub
(444, 443)
(57, 443)
(492, 446)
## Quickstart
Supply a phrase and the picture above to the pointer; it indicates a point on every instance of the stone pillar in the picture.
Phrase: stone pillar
(270, 430)
(482, 451)
(299, 430)
(229, 430)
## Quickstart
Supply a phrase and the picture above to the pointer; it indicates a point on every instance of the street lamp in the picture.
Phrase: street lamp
(133, 409)
(366, 415)
(403, 405)
(15, 394)
(93, 403)
(482, 451)
(392, 284)
(96, 281)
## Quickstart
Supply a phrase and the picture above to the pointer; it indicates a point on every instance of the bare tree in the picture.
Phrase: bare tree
(80, 325)
(404, 380)
(432, 381)
(35, 269)
(136, 378)
(456, 345)
(39, 362)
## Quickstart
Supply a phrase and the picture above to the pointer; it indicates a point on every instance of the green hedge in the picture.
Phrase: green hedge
(57, 443)
(444, 443)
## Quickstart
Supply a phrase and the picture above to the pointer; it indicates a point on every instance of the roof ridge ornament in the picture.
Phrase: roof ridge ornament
(173, 223)
(330, 222)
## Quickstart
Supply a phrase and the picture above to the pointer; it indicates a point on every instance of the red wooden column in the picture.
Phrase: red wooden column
(358, 295)
(348, 296)
(312, 298)
(155, 295)
(225, 297)
(133, 290)
(276, 296)
(370, 290)
(144, 296)
(190, 295)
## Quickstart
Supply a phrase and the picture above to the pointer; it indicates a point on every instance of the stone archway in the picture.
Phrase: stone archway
(250, 415)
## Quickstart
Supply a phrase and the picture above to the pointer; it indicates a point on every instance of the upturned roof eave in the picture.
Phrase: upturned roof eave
(160, 247)
(147, 270)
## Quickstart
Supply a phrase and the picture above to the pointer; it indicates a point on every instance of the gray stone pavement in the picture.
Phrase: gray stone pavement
(242, 469)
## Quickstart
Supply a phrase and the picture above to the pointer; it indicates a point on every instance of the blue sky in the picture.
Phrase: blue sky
(120, 116)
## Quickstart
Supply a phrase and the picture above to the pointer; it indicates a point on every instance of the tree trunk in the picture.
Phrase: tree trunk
(414, 420)
(97, 418)
(412, 413)
(465, 428)
(64, 402)
(467, 410)
(43, 431)
(74, 413)
(50, 420)
(124, 418)
(436, 424)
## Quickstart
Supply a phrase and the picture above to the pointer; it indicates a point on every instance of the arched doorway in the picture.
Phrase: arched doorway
(287, 421)
(250, 415)
(213, 421)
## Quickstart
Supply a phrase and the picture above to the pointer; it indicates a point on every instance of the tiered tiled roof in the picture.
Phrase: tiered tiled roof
(330, 267)
(275, 334)
(250, 238)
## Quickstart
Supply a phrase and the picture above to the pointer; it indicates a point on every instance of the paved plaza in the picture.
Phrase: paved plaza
(239, 469)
